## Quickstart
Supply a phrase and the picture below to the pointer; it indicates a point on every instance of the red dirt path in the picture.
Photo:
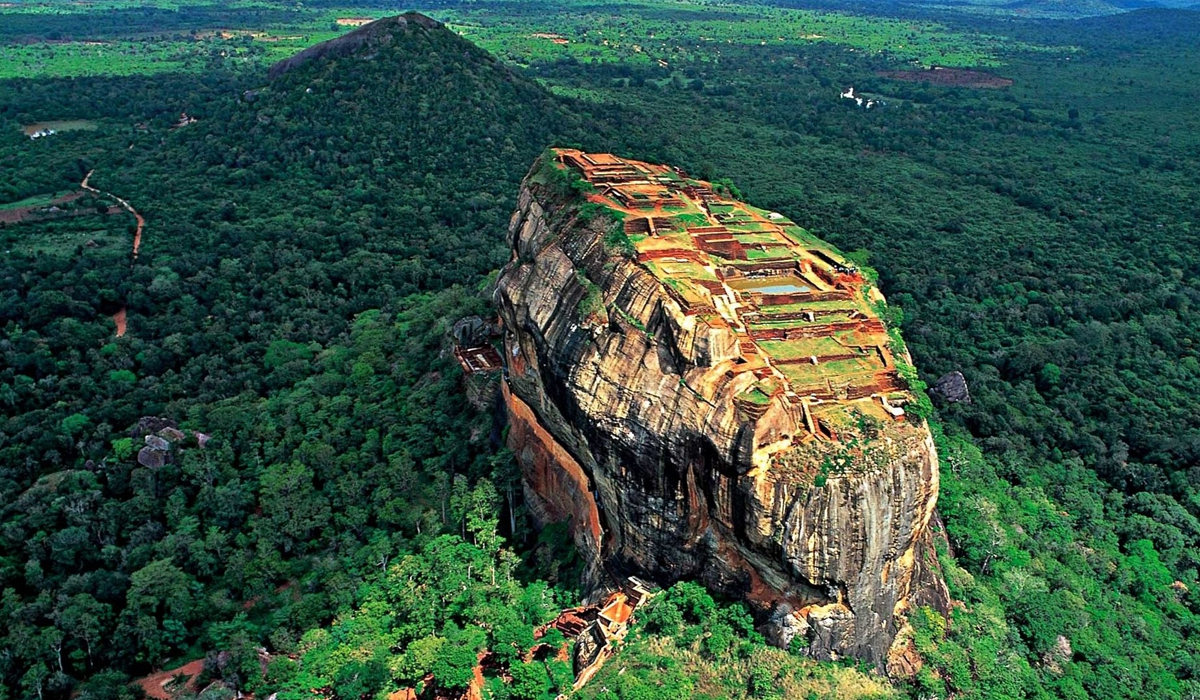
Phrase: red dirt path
(155, 685)
(141, 222)
(119, 317)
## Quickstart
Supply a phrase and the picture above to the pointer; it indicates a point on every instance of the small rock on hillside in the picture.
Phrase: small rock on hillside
(953, 388)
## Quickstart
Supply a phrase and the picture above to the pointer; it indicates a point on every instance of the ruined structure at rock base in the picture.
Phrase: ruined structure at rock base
(706, 391)
(596, 642)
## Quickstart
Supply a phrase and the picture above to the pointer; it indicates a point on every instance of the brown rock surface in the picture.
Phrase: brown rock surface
(625, 423)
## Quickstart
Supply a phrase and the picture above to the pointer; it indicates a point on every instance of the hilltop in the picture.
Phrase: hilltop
(805, 319)
(365, 40)
(401, 125)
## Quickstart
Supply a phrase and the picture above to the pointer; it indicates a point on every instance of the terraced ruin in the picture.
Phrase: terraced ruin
(805, 317)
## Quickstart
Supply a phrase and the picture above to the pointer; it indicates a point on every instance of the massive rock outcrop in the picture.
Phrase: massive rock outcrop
(688, 433)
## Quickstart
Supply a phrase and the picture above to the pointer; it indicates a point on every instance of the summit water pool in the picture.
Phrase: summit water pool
(780, 284)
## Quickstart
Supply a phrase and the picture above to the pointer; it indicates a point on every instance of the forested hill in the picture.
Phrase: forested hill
(363, 40)
(291, 300)
(415, 131)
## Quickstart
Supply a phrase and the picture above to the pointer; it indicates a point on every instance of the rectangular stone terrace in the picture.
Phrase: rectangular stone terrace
(803, 314)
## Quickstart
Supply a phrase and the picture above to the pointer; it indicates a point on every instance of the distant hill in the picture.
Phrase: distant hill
(402, 118)
(1158, 26)
(377, 34)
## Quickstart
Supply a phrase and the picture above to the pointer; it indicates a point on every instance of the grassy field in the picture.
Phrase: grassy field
(161, 54)
(648, 32)
(53, 39)
(159, 36)
(40, 200)
(61, 7)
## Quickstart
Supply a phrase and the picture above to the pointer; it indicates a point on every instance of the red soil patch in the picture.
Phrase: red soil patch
(119, 319)
(949, 77)
(155, 686)
(475, 690)
(141, 222)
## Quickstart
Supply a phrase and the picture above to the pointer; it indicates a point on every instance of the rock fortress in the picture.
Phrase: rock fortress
(704, 390)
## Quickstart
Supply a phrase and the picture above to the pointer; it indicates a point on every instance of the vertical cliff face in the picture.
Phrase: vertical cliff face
(703, 390)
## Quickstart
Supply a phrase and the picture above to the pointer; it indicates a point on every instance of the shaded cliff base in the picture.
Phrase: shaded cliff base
(557, 490)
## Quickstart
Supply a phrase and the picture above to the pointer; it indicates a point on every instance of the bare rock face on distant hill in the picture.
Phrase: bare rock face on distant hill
(626, 419)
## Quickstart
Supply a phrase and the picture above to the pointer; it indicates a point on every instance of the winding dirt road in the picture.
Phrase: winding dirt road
(141, 222)
(119, 317)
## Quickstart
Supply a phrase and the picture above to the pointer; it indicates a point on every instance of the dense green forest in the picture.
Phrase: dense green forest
(303, 258)
(310, 240)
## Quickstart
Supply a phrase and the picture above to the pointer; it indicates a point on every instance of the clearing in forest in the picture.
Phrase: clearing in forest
(949, 77)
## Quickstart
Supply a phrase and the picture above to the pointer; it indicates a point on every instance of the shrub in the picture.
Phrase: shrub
(616, 240)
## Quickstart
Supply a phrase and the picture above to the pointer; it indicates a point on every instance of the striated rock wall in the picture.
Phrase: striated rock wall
(624, 421)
